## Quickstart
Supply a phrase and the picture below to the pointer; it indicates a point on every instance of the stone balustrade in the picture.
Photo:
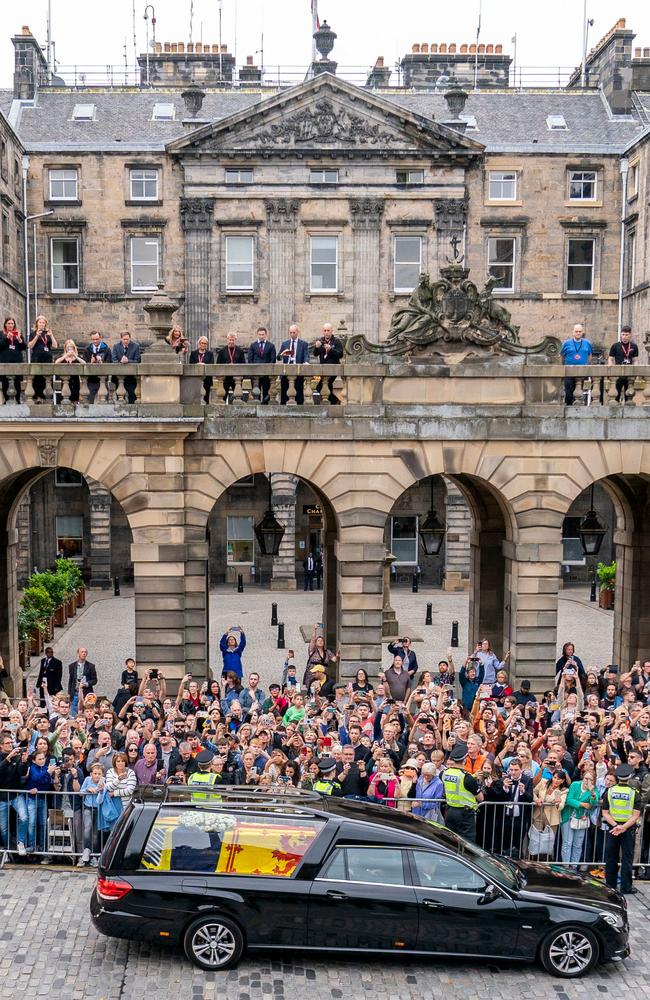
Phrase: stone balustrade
(171, 389)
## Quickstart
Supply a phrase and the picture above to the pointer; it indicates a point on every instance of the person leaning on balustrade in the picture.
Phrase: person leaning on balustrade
(97, 353)
(262, 352)
(12, 347)
(41, 346)
(177, 341)
(203, 356)
(70, 356)
(127, 352)
(230, 355)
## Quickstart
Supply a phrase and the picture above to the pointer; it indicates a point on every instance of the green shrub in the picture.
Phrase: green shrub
(54, 583)
(606, 575)
(37, 597)
(71, 573)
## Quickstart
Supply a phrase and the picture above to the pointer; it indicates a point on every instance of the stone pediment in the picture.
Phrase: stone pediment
(326, 114)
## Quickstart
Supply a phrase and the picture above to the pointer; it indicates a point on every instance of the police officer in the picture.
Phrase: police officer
(620, 812)
(462, 795)
(326, 782)
(205, 776)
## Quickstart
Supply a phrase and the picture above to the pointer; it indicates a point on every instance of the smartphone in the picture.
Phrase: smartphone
(153, 672)
(253, 770)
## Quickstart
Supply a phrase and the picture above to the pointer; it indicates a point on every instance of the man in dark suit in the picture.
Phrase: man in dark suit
(80, 671)
(230, 355)
(97, 353)
(127, 352)
(293, 351)
(50, 671)
(329, 351)
(262, 352)
(309, 566)
(203, 356)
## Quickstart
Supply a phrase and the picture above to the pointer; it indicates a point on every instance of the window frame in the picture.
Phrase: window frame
(79, 117)
(231, 541)
(503, 174)
(502, 289)
(63, 170)
(144, 170)
(161, 117)
(454, 859)
(399, 289)
(76, 239)
(329, 290)
(409, 171)
(415, 539)
(239, 289)
(323, 179)
(344, 848)
(153, 238)
(572, 173)
(568, 265)
(629, 259)
(238, 180)
(75, 557)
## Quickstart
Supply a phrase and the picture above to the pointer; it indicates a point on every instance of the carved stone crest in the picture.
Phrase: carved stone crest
(451, 213)
(197, 213)
(366, 212)
(48, 451)
(282, 212)
(324, 124)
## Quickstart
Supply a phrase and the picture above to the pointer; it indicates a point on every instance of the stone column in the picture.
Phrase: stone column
(197, 219)
(24, 560)
(631, 639)
(281, 221)
(457, 540)
(360, 552)
(366, 225)
(100, 536)
(284, 507)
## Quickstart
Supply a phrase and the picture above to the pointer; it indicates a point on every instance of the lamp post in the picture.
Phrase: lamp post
(624, 168)
(269, 532)
(431, 531)
(591, 530)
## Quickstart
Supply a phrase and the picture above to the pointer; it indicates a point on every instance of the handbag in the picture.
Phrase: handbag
(579, 823)
(541, 841)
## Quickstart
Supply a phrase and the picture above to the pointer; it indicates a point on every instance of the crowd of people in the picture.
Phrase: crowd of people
(577, 350)
(16, 349)
(524, 775)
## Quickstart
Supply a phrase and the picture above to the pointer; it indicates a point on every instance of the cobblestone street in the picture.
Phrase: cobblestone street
(49, 948)
(107, 627)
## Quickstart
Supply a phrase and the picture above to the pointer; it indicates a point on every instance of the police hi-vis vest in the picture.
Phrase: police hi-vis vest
(456, 795)
(621, 802)
(202, 778)
(325, 786)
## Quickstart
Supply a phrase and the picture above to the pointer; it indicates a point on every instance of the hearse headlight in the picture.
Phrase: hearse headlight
(613, 919)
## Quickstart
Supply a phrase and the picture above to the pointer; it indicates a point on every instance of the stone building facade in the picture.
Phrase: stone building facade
(12, 268)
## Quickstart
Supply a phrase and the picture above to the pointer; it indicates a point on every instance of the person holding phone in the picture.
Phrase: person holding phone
(573, 662)
(232, 649)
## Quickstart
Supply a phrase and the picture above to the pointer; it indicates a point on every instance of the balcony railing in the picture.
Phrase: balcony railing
(38, 390)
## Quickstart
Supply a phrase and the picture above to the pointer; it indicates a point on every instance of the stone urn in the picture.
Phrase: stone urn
(160, 309)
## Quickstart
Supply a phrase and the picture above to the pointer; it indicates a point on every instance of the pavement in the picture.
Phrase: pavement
(49, 948)
(107, 627)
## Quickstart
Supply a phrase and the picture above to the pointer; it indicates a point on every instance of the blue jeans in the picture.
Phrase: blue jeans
(572, 843)
(36, 820)
(17, 803)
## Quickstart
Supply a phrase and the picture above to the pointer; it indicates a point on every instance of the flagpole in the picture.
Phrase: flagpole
(314, 28)
(478, 32)
(514, 63)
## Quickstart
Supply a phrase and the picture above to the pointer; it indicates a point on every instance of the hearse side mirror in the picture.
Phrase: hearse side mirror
(491, 893)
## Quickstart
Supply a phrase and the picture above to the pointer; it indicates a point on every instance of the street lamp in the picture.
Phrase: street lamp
(269, 532)
(591, 531)
(432, 532)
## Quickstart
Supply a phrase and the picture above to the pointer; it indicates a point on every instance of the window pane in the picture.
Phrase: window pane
(501, 261)
(69, 536)
(201, 840)
(407, 262)
(439, 871)
(323, 263)
(144, 184)
(63, 184)
(239, 262)
(375, 864)
(404, 545)
(503, 186)
(582, 186)
(336, 868)
(580, 265)
(144, 262)
(65, 265)
(239, 547)
(239, 176)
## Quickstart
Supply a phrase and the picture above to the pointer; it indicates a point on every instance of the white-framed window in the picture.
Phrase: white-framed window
(572, 551)
(322, 176)
(240, 540)
(407, 262)
(501, 261)
(583, 185)
(67, 477)
(163, 112)
(144, 184)
(237, 175)
(408, 176)
(556, 123)
(64, 260)
(503, 185)
(581, 257)
(240, 267)
(404, 540)
(64, 184)
(70, 537)
(83, 112)
(323, 266)
(145, 263)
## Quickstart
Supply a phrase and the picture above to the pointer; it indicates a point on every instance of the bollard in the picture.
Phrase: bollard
(280, 635)
(415, 586)
(454, 634)
(116, 586)
(592, 595)
(274, 614)
(240, 583)
(429, 618)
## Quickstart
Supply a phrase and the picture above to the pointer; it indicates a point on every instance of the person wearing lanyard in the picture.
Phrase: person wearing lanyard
(203, 356)
(230, 355)
(575, 351)
(623, 352)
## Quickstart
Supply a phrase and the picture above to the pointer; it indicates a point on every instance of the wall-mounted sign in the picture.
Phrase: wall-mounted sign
(313, 509)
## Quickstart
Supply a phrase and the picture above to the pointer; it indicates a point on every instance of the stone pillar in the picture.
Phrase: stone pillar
(9, 609)
(284, 507)
(360, 552)
(197, 219)
(24, 559)
(281, 220)
(100, 536)
(457, 539)
(631, 638)
(366, 224)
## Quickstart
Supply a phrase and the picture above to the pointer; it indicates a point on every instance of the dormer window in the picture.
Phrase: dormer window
(556, 123)
(84, 112)
(163, 112)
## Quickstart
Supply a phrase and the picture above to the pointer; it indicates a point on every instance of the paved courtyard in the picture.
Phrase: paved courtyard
(107, 626)
(49, 948)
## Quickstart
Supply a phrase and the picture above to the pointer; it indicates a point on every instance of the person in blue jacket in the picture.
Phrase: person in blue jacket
(231, 650)
(470, 677)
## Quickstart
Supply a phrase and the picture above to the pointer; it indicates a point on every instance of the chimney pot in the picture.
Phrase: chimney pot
(452, 48)
(432, 49)
(249, 60)
(442, 48)
(168, 47)
(26, 30)
(215, 50)
(481, 50)
(190, 47)
(415, 49)
(224, 48)
(158, 47)
(463, 50)
(489, 49)
(198, 48)
(380, 62)
(646, 53)
(498, 50)
(424, 47)
(174, 47)
(472, 50)
(181, 46)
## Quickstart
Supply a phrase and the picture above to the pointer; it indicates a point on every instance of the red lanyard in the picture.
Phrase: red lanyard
(231, 352)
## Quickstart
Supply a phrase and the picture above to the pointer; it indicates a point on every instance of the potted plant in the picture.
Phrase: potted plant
(606, 576)
(55, 584)
(70, 572)
(37, 605)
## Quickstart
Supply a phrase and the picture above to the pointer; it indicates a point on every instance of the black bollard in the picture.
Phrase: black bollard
(240, 583)
(429, 618)
(116, 586)
(454, 633)
(592, 595)
(280, 635)
(274, 614)
(415, 586)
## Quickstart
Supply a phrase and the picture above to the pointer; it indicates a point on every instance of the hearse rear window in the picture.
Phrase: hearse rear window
(200, 840)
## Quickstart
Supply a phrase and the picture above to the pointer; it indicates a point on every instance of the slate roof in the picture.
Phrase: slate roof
(508, 121)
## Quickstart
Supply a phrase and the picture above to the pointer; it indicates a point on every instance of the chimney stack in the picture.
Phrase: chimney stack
(30, 67)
